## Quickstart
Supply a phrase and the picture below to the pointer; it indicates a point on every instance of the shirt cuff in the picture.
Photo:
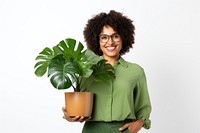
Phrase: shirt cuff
(147, 122)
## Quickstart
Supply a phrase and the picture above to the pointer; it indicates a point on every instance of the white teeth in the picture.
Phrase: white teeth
(110, 48)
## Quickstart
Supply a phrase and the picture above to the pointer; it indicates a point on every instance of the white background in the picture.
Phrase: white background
(167, 47)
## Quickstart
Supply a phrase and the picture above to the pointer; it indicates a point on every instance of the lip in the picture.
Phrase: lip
(110, 48)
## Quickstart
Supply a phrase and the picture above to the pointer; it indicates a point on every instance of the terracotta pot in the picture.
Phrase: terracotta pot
(79, 103)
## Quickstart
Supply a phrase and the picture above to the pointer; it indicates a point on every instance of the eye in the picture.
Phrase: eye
(116, 36)
(104, 37)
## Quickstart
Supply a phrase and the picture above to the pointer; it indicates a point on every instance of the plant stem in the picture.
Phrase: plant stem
(74, 88)
(77, 89)
(84, 81)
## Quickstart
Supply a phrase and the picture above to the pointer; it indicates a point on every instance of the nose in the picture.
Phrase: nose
(110, 40)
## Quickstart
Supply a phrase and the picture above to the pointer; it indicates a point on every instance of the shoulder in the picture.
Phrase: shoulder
(133, 66)
(133, 69)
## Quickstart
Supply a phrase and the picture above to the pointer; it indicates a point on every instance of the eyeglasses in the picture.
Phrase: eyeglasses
(104, 38)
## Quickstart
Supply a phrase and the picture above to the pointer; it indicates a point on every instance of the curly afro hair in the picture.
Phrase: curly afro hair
(120, 23)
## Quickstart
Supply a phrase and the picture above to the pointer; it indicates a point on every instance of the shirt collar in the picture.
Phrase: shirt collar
(122, 62)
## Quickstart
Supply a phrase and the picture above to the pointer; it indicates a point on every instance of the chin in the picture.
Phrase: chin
(112, 55)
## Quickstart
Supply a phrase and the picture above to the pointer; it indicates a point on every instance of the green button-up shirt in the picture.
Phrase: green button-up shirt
(125, 97)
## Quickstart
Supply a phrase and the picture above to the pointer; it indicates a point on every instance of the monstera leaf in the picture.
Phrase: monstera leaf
(62, 73)
(84, 59)
(68, 48)
(44, 58)
(102, 71)
(67, 61)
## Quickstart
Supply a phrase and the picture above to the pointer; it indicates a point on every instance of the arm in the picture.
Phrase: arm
(142, 107)
(142, 101)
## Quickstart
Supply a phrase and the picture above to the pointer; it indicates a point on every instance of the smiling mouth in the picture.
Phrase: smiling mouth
(111, 48)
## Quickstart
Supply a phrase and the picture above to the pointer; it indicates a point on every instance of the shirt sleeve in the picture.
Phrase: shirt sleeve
(142, 101)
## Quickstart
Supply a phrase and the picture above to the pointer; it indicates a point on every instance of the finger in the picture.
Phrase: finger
(65, 112)
(124, 127)
(82, 119)
(66, 116)
(87, 118)
(76, 118)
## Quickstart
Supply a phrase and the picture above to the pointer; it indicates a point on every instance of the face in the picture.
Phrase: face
(110, 43)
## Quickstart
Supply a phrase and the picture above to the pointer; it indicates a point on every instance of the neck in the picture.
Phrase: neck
(111, 60)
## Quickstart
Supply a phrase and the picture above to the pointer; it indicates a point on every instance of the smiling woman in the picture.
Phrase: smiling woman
(121, 104)
(110, 47)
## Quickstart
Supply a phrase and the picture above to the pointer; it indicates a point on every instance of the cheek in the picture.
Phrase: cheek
(120, 46)
(101, 46)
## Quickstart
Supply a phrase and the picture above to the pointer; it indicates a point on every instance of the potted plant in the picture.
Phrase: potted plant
(67, 64)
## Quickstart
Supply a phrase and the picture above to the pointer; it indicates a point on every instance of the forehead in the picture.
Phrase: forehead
(108, 30)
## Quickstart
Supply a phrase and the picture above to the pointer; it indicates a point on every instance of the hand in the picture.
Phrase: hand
(74, 119)
(133, 127)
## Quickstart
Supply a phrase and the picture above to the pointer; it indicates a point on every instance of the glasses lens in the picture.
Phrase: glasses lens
(104, 38)
(115, 37)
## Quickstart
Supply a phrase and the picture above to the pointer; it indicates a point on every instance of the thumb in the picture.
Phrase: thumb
(66, 116)
(124, 127)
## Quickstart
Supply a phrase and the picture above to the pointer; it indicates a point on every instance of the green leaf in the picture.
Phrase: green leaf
(74, 52)
(43, 58)
(47, 51)
(87, 61)
(68, 49)
(103, 71)
(62, 72)
(41, 68)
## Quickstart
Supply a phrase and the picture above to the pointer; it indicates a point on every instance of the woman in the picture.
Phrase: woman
(122, 104)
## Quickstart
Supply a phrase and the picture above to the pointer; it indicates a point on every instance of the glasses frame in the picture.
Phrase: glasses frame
(109, 36)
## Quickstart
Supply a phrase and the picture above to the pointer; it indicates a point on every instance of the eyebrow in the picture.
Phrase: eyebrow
(108, 35)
